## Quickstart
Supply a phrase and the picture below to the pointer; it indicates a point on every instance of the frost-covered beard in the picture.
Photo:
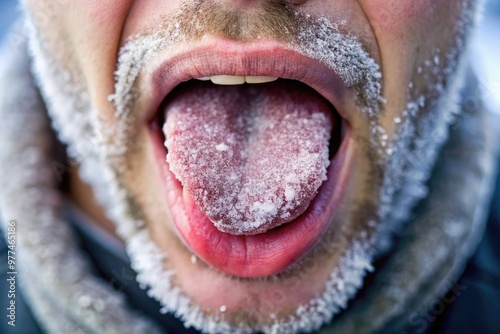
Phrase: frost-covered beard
(101, 152)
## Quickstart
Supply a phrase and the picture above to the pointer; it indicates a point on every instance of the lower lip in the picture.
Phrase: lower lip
(258, 255)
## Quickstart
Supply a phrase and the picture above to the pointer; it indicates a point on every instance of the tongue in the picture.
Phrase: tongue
(252, 156)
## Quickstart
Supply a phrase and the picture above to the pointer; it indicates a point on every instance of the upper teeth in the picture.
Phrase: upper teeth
(237, 80)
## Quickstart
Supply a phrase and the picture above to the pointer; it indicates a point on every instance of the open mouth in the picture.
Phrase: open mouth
(256, 166)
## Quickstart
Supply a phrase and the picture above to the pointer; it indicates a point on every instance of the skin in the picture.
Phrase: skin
(399, 34)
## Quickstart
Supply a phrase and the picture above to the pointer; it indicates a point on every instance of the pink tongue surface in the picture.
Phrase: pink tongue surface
(251, 156)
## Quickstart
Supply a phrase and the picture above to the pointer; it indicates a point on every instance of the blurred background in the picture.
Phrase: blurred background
(485, 51)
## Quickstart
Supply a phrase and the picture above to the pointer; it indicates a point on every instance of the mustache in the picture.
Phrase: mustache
(273, 19)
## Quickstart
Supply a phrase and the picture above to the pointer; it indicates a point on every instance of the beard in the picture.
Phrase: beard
(401, 166)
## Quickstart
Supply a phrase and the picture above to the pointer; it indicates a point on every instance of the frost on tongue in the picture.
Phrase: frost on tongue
(252, 156)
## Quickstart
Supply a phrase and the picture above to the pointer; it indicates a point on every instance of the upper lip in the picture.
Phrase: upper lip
(218, 56)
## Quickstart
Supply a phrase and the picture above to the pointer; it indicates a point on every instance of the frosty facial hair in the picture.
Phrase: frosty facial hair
(100, 150)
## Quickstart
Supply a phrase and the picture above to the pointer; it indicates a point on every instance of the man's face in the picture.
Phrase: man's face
(274, 195)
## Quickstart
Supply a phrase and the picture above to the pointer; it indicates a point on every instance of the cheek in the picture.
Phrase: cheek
(98, 22)
(95, 28)
(408, 33)
(401, 16)
(147, 14)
